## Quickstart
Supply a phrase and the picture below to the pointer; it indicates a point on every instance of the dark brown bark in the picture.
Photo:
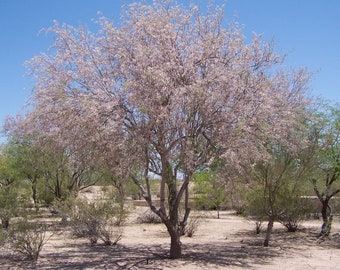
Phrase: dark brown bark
(173, 222)
(269, 232)
(34, 193)
(175, 247)
(326, 209)
(327, 218)
(174, 225)
(169, 213)
(5, 223)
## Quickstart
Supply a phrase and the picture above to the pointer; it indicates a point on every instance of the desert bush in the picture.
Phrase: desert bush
(3, 237)
(148, 217)
(28, 239)
(132, 190)
(13, 199)
(110, 235)
(291, 223)
(295, 214)
(96, 221)
(296, 210)
(258, 226)
(191, 227)
(44, 195)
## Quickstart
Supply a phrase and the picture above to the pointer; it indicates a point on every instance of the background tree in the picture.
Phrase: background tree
(163, 93)
(13, 191)
(277, 186)
(27, 160)
(211, 191)
(326, 135)
(7, 173)
(40, 159)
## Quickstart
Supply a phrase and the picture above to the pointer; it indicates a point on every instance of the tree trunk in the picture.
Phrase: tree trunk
(34, 193)
(5, 223)
(327, 218)
(175, 245)
(324, 210)
(172, 223)
(269, 232)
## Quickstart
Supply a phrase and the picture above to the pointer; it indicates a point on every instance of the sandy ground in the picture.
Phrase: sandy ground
(225, 243)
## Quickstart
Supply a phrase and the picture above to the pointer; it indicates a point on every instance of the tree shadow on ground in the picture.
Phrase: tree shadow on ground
(147, 257)
(229, 254)
(244, 250)
(281, 238)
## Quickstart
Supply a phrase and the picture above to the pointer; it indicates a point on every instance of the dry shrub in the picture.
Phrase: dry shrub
(291, 223)
(191, 226)
(148, 217)
(3, 236)
(297, 210)
(96, 221)
(258, 226)
(28, 239)
(110, 235)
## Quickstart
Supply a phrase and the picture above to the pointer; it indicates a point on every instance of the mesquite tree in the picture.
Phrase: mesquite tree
(163, 93)
(326, 136)
(39, 158)
(276, 184)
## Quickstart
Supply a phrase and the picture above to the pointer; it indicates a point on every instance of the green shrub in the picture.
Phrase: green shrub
(12, 200)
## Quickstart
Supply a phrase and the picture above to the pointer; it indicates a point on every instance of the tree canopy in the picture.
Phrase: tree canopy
(166, 91)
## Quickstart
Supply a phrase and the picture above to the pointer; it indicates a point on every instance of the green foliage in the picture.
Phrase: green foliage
(326, 134)
(8, 172)
(8, 205)
(13, 199)
(278, 186)
(287, 205)
(132, 190)
(51, 169)
(255, 201)
(326, 130)
(209, 190)
(44, 194)
(293, 208)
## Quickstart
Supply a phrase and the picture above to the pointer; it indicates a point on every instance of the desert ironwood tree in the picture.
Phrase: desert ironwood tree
(164, 92)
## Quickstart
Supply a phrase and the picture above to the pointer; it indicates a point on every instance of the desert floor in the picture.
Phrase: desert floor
(226, 243)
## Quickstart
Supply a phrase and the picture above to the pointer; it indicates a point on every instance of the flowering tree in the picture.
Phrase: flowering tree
(164, 93)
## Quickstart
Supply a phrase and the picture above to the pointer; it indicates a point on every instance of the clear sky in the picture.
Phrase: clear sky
(308, 30)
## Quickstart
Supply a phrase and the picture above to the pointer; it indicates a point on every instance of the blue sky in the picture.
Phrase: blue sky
(308, 30)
